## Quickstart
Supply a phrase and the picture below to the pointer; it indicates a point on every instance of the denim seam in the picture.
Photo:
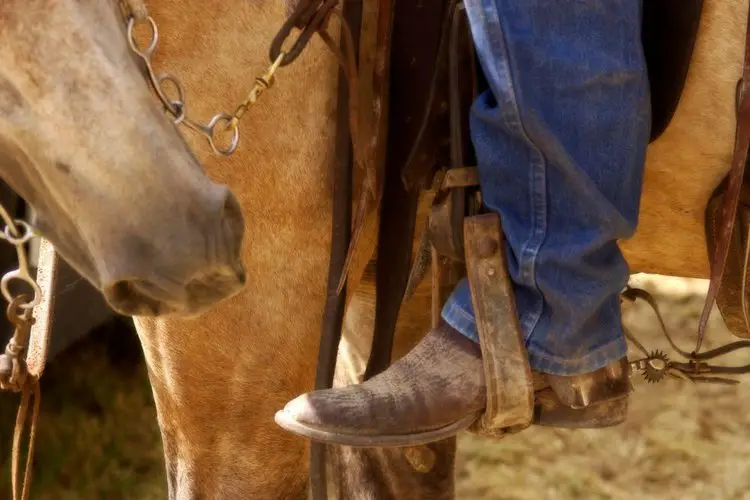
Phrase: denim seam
(537, 177)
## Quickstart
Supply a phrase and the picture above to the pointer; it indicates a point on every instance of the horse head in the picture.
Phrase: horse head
(114, 186)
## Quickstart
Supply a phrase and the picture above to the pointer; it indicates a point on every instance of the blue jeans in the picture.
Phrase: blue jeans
(561, 138)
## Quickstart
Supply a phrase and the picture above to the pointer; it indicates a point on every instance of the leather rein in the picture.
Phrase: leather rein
(17, 372)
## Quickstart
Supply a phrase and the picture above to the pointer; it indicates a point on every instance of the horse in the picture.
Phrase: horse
(218, 378)
(113, 185)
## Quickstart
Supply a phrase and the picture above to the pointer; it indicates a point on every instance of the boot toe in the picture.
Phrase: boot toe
(302, 410)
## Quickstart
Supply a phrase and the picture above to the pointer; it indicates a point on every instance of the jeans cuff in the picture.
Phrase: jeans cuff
(458, 314)
(598, 357)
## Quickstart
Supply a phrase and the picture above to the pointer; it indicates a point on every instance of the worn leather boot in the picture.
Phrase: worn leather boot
(437, 390)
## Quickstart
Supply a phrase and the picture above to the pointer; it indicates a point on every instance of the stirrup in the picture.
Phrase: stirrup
(510, 390)
(516, 396)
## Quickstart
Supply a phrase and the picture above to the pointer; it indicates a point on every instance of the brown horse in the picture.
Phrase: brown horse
(114, 186)
(219, 379)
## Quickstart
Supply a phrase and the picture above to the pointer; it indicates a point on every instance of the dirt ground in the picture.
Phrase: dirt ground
(98, 439)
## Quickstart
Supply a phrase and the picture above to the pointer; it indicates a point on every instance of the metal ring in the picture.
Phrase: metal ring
(181, 117)
(25, 237)
(178, 104)
(211, 128)
(154, 37)
(18, 275)
(12, 312)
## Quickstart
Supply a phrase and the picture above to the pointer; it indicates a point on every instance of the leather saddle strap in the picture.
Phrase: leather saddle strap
(333, 312)
(416, 36)
(732, 195)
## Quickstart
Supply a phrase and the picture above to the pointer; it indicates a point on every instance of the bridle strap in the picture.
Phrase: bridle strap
(31, 389)
(39, 330)
(135, 8)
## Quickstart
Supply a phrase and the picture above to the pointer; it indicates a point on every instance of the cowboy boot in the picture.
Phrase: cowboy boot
(438, 389)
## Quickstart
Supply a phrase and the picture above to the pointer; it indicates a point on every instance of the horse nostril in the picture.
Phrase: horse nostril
(125, 298)
(120, 292)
